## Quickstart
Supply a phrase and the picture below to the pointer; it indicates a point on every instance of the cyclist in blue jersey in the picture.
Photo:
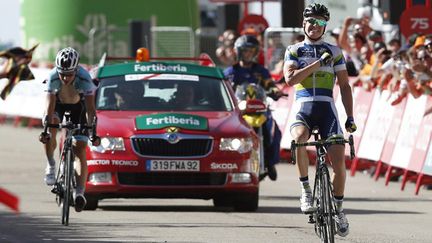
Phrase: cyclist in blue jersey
(70, 88)
(312, 67)
(248, 70)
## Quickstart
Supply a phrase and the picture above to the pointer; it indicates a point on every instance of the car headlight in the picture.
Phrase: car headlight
(241, 145)
(109, 144)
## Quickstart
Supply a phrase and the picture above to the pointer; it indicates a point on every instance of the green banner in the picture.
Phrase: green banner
(158, 121)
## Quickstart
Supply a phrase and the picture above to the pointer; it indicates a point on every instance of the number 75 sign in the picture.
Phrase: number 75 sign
(417, 19)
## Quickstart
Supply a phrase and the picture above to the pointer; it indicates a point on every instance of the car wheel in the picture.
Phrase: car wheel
(92, 203)
(222, 202)
(247, 202)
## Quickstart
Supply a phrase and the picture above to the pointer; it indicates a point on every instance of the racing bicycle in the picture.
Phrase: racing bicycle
(65, 181)
(323, 216)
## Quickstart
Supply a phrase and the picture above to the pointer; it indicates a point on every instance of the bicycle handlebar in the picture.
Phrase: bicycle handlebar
(322, 143)
(69, 126)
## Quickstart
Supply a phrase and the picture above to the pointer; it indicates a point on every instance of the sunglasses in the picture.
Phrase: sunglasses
(67, 74)
(319, 22)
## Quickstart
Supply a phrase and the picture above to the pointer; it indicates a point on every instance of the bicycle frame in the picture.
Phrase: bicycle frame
(65, 179)
(323, 216)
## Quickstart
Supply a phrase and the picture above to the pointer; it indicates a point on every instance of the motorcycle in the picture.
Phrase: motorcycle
(254, 105)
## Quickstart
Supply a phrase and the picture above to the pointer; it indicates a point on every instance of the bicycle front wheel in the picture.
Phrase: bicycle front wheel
(67, 196)
(327, 209)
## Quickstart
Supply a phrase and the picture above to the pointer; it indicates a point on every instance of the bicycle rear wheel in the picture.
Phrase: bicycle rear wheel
(327, 209)
(67, 196)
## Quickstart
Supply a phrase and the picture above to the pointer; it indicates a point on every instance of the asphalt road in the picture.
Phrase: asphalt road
(376, 213)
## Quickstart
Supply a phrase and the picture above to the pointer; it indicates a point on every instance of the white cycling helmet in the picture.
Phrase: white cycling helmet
(67, 60)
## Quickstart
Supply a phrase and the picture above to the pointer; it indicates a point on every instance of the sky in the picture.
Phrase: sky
(9, 21)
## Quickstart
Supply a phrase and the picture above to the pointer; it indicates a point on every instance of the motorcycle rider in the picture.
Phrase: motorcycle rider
(248, 70)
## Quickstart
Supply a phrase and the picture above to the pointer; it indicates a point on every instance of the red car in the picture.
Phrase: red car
(171, 130)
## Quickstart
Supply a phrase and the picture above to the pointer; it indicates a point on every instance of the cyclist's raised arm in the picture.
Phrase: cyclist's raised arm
(292, 72)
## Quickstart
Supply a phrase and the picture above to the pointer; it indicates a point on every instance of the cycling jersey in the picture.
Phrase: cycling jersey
(319, 85)
(314, 104)
(82, 83)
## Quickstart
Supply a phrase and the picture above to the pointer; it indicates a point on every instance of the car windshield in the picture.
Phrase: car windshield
(163, 92)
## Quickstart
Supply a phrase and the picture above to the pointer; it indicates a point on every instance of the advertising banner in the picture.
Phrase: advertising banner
(408, 131)
(393, 132)
(427, 167)
(377, 127)
(362, 103)
(422, 141)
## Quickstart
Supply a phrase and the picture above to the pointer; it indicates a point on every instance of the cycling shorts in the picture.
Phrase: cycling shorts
(319, 114)
(77, 116)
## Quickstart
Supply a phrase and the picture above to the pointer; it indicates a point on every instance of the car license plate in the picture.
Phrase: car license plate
(172, 165)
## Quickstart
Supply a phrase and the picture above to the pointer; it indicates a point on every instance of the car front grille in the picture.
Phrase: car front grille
(172, 179)
(161, 147)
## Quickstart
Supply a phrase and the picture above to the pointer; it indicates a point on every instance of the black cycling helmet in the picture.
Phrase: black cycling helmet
(246, 41)
(316, 9)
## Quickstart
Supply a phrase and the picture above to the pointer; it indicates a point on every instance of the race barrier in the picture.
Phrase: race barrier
(394, 140)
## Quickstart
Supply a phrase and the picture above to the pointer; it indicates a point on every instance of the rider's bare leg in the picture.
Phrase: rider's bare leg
(337, 157)
(300, 134)
(51, 145)
(81, 168)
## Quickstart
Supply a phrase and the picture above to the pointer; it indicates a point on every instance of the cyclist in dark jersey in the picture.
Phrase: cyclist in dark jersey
(312, 67)
(70, 88)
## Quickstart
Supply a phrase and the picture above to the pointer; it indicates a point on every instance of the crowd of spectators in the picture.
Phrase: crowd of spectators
(375, 62)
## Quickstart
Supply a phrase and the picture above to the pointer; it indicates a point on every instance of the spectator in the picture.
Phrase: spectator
(225, 52)
(394, 45)
(352, 70)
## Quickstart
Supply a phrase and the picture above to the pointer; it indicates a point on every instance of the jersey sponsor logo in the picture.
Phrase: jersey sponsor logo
(305, 52)
(223, 166)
